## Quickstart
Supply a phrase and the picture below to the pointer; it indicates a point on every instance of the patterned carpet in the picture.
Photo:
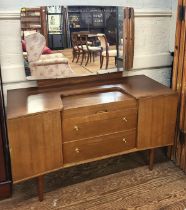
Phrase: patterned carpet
(115, 184)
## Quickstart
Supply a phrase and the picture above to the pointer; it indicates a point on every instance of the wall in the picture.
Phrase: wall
(152, 35)
(156, 4)
(162, 12)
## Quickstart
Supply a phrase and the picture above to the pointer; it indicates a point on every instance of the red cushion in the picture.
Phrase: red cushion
(47, 50)
(23, 45)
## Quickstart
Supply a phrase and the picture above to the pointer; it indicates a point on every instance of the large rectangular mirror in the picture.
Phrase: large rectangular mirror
(92, 40)
(72, 41)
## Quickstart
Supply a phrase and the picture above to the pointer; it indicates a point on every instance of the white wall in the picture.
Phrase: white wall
(152, 35)
(173, 24)
(159, 12)
(11, 58)
(156, 4)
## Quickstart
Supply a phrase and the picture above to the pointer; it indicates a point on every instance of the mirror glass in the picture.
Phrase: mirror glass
(72, 41)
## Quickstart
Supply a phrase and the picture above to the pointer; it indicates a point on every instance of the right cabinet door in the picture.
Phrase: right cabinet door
(157, 121)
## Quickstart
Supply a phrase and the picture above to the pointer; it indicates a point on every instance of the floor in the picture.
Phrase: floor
(119, 183)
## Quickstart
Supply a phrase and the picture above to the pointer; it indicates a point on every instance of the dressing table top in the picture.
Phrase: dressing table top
(29, 101)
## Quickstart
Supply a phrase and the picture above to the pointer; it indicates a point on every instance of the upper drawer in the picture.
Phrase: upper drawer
(100, 123)
(92, 103)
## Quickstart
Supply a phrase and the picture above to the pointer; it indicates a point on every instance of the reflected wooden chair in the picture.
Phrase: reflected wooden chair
(105, 51)
(92, 51)
(89, 51)
(76, 47)
(83, 42)
(79, 42)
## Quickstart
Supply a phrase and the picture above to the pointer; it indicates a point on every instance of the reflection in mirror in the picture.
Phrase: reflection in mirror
(73, 41)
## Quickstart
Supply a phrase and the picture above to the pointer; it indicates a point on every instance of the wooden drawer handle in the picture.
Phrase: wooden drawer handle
(76, 128)
(77, 150)
(124, 140)
(102, 111)
(124, 119)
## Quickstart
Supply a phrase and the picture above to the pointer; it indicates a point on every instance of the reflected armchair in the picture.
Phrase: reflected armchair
(49, 65)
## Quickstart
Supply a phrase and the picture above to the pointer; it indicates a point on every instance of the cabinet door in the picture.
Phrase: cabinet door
(35, 144)
(156, 121)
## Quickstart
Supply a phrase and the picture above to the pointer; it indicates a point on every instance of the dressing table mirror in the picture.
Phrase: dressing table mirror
(75, 41)
(83, 110)
(94, 40)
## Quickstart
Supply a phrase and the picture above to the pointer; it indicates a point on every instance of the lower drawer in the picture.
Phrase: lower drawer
(82, 150)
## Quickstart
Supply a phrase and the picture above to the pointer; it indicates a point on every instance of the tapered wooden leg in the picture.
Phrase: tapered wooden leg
(73, 56)
(100, 57)
(115, 61)
(93, 57)
(151, 158)
(83, 56)
(40, 187)
(78, 58)
(90, 57)
(107, 62)
(87, 59)
(101, 64)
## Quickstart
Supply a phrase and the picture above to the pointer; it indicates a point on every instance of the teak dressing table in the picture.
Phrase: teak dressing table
(50, 128)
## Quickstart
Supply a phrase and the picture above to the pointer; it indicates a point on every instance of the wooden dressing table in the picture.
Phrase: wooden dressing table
(90, 119)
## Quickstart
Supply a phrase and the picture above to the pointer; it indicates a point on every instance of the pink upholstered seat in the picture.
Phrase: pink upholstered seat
(49, 65)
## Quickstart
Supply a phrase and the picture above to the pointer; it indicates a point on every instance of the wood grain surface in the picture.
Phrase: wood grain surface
(157, 121)
(99, 124)
(22, 102)
(41, 122)
(35, 144)
(76, 151)
(178, 84)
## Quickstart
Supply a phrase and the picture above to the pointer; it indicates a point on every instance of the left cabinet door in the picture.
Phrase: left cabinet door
(35, 144)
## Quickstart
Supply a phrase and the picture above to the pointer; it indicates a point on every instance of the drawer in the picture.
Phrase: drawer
(91, 103)
(82, 150)
(100, 123)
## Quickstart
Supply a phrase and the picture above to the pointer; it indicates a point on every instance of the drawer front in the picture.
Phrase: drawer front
(100, 123)
(92, 109)
(86, 149)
